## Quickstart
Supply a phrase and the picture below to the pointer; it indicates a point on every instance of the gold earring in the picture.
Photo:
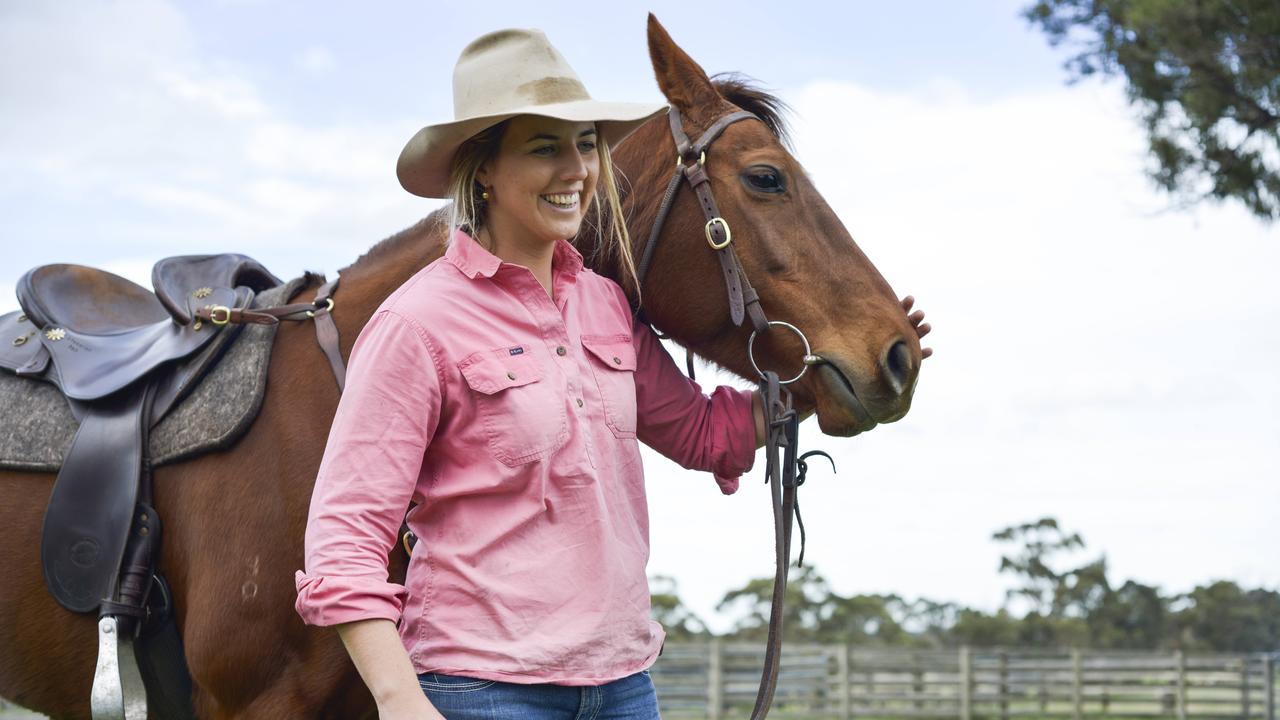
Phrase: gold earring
(484, 195)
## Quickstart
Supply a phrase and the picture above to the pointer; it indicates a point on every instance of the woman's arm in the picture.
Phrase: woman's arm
(375, 648)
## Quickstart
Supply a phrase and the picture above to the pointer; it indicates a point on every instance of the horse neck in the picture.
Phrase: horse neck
(387, 266)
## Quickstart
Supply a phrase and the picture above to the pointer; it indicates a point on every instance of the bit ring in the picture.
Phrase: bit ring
(808, 352)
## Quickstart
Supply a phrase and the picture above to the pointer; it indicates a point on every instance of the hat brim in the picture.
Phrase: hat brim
(425, 162)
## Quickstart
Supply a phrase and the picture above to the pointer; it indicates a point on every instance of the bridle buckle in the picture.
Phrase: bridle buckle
(711, 239)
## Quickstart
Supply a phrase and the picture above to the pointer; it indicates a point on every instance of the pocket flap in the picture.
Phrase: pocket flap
(615, 351)
(492, 371)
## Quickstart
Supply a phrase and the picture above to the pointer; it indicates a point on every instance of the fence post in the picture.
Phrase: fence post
(1180, 699)
(1244, 686)
(966, 684)
(845, 689)
(1269, 685)
(917, 683)
(715, 680)
(1004, 685)
(1077, 685)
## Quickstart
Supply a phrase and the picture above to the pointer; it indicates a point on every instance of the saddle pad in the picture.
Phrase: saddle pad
(36, 425)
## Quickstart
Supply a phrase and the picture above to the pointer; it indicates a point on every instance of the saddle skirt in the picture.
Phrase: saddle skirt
(37, 424)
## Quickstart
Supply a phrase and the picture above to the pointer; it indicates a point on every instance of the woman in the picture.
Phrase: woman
(501, 391)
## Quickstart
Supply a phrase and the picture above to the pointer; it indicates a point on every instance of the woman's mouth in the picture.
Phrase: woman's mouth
(561, 201)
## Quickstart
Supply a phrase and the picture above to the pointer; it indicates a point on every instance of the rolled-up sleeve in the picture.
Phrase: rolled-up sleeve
(715, 433)
(371, 466)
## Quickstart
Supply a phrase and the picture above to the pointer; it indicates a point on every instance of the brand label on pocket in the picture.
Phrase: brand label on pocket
(517, 350)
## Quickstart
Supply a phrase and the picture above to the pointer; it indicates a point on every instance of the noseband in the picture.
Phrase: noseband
(781, 419)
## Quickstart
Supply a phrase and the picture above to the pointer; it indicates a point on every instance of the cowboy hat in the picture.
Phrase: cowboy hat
(498, 76)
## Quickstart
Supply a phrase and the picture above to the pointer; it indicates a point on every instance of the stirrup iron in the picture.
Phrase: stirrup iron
(118, 692)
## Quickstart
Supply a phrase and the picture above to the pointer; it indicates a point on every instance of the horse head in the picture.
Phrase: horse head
(797, 254)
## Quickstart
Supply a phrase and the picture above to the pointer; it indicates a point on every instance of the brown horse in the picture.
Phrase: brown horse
(235, 518)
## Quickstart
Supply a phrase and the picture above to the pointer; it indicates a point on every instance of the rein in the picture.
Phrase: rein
(784, 470)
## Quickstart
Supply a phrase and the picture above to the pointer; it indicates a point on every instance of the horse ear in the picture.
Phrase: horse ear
(682, 80)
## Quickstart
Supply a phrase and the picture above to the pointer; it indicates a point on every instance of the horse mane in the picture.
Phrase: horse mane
(746, 93)
(388, 246)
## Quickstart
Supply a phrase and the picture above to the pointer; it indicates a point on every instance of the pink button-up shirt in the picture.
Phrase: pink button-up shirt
(511, 422)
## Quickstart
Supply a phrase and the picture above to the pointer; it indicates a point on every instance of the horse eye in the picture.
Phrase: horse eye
(763, 178)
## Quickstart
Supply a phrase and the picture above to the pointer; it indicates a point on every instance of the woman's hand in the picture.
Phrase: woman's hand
(917, 321)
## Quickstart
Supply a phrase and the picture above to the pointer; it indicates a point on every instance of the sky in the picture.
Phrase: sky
(1101, 355)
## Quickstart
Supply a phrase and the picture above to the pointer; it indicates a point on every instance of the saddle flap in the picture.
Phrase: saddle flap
(91, 508)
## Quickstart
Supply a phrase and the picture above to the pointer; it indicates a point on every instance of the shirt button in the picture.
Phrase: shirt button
(579, 402)
(561, 351)
(511, 376)
(617, 361)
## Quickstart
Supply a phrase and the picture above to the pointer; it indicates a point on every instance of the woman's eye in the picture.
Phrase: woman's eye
(764, 179)
(544, 150)
(586, 146)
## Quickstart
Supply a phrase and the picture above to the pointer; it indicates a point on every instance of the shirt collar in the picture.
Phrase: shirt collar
(475, 261)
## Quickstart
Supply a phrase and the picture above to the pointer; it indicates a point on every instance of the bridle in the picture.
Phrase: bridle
(781, 419)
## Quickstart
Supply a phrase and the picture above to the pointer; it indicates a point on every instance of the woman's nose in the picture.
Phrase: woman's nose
(575, 167)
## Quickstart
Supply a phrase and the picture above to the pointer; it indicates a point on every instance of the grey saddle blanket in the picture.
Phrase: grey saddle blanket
(36, 425)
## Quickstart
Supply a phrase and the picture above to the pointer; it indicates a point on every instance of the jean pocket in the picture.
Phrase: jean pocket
(439, 682)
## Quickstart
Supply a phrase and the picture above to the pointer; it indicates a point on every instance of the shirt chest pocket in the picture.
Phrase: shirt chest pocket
(516, 402)
(613, 363)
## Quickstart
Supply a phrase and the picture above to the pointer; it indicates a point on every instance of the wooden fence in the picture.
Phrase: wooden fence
(718, 681)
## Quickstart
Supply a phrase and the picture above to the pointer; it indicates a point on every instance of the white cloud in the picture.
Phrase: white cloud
(182, 146)
(316, 60)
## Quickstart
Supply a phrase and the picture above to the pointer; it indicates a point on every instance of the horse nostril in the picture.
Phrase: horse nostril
(897, 366)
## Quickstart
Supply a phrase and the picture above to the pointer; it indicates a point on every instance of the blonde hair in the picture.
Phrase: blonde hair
(469, 210)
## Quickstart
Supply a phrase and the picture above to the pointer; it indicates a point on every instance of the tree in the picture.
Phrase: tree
(1051, 593)
(1222, 617)
(670, 611)
(1206, 76)
(1133, 617)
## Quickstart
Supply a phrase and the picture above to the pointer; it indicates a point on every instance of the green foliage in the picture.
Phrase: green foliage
(668, 609)
(1206, 76)
(1066, 606)
(1222, 615)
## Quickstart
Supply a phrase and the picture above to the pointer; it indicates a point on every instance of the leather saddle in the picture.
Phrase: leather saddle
(122, 356)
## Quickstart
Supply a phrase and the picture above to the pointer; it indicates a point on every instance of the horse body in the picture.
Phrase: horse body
(234, 520)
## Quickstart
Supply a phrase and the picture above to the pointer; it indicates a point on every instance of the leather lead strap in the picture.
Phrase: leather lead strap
(781, 419)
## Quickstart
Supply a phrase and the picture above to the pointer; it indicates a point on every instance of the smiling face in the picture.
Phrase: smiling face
(542, 180)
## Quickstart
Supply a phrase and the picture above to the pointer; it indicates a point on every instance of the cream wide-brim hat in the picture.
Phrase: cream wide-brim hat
(499, 76)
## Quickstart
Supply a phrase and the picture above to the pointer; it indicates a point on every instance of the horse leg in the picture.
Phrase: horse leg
(47, 653)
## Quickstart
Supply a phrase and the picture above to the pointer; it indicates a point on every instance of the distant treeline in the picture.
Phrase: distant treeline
(1060, 607)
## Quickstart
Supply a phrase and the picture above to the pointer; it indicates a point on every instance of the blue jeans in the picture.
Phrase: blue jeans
(464, 698)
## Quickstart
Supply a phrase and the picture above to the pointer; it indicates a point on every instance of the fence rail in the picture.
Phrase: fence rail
(718, 681)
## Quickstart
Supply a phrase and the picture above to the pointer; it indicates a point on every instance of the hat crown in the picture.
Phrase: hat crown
(512, 68)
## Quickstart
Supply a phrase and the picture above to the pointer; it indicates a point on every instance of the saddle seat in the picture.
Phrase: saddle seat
(103, 332)
(87, 300)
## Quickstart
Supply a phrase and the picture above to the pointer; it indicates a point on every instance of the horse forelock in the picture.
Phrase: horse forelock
(746, 93)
